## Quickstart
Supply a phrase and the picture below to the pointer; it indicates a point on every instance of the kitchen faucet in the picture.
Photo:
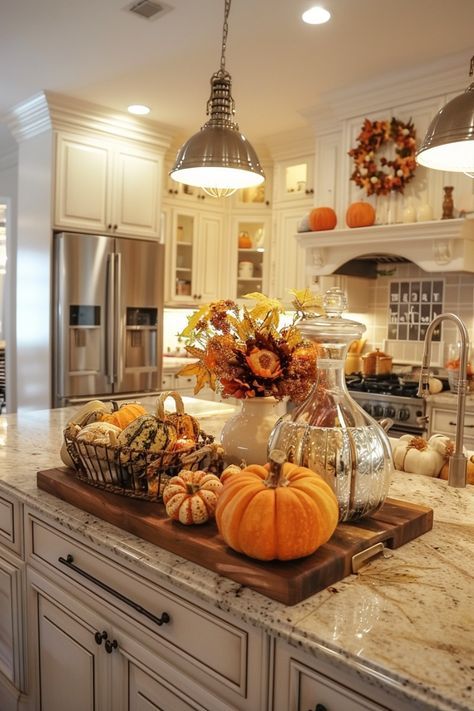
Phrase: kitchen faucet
(457, 462)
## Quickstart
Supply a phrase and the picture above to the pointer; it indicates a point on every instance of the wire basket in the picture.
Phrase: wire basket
(138, 473)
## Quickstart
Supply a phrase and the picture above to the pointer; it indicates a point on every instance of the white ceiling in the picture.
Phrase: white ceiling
(97, 51)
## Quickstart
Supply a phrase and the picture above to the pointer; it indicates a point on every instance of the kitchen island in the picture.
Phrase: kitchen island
(398, 635)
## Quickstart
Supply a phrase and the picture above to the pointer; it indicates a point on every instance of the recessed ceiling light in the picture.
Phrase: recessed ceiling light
(316, 15)
(139, 109)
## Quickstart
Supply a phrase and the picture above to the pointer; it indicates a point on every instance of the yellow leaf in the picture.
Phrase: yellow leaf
(193, 320)
(306, 301)
(191, 369)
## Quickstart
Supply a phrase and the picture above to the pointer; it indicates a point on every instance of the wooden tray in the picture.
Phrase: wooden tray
(288, 582)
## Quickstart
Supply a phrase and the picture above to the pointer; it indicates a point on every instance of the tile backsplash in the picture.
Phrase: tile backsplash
(458, 298)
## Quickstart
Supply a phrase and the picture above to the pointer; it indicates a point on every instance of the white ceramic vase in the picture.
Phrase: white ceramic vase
(245, 435)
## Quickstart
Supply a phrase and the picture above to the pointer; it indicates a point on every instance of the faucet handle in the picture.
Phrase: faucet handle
(424, 383)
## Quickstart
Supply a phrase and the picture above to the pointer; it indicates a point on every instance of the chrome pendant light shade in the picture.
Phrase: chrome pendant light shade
(449, 141)
(218, 158)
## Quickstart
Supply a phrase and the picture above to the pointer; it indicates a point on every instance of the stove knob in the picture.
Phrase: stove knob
(389, 411)
(378, 411)
(367, 408)
(404, 414)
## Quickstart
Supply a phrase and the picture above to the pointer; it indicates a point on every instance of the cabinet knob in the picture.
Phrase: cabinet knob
(176, 192)
(110, 646)
(99, 636)
(170, 190)
(115, 227)
(109, 227)
(267, 202)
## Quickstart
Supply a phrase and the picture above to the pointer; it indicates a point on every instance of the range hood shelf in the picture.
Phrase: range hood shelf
(435, 246)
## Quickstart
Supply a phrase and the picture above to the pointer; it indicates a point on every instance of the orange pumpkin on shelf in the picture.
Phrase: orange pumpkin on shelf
(278, 511)
(322, 218)
(124, 415)
(360, 214)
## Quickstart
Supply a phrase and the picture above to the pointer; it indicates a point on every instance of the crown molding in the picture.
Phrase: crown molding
(443, 77)
(50, 111)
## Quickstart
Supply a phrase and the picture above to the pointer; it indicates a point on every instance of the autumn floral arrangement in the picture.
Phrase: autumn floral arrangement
(252, 352)
(384, 176)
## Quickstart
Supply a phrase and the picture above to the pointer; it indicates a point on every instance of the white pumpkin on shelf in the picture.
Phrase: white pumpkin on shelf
(417, 455)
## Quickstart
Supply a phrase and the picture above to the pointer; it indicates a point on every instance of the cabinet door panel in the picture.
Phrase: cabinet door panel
(82, 184)
(136, 195)
(288, 258)
(148, 694)
(9, 640)
(71, 664)
(208, 273)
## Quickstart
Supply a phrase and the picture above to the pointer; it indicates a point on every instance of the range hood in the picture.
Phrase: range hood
(435, 246)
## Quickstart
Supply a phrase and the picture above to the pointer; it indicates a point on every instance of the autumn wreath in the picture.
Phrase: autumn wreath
(380, 178)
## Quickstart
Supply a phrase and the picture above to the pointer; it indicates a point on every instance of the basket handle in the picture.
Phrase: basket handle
(160, 403)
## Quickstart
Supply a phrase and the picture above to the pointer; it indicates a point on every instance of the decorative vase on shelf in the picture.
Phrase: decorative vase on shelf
(424, 212)
(408, 212)
(245, 435)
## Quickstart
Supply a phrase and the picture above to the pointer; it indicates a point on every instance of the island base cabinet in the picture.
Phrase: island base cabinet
(303, 683)
(83, 661)
(108, 620)
(11, 643)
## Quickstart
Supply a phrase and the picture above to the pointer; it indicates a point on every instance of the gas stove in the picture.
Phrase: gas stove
(388, 397)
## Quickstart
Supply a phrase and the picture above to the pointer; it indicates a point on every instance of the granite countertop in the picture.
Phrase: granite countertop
(407, 618)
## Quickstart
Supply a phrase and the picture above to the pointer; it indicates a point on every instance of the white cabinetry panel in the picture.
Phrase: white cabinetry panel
(109, 187)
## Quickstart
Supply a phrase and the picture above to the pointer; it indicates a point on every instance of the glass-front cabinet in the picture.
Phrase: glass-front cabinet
(255, 198)
(251, 238)
(294, 180)
(194, 256)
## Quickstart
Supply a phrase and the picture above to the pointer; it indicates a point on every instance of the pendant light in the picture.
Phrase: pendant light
(218, 158)
(449, 141)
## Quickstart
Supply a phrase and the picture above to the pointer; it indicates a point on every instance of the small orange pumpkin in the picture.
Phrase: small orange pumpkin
(124, 415)
(191, 497)
(444, 473)
(360, 214)
(322, 218)
(278, 511)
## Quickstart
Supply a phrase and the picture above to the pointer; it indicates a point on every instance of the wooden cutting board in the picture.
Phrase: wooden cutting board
(288, 582)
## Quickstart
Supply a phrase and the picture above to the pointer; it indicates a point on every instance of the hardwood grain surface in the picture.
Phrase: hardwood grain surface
(289, 582)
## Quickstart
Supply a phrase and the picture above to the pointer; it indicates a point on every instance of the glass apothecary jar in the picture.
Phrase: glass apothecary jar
(330, 433)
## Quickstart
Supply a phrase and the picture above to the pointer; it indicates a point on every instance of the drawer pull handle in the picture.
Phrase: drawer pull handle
(110, 646)
(453, 424)
(69, 562)
(99, 636)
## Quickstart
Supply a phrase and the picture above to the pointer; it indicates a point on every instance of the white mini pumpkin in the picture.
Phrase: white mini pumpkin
(417, 456)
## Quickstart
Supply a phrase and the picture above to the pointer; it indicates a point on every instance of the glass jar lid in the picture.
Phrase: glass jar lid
(332, 327)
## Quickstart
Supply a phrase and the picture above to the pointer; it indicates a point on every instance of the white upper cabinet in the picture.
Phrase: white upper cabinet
(107, 187)
(294, 180)
(195, 256)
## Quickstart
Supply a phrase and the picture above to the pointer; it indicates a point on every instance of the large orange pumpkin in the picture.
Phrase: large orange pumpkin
(360, 214)
(322, 218)
(278, 511)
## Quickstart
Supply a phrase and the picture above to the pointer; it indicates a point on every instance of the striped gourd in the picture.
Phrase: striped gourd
(148, 433)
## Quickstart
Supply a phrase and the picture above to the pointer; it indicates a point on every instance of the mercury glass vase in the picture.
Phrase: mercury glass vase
(245, 435)
(330, 433)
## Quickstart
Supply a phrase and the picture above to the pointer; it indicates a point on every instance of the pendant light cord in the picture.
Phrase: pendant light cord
(225, 30)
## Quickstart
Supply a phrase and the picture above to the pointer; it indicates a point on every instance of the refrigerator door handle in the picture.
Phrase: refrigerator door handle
(110, 326)
(120, 332)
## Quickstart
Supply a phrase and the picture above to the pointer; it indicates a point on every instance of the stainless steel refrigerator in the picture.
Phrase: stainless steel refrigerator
(108, 316)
